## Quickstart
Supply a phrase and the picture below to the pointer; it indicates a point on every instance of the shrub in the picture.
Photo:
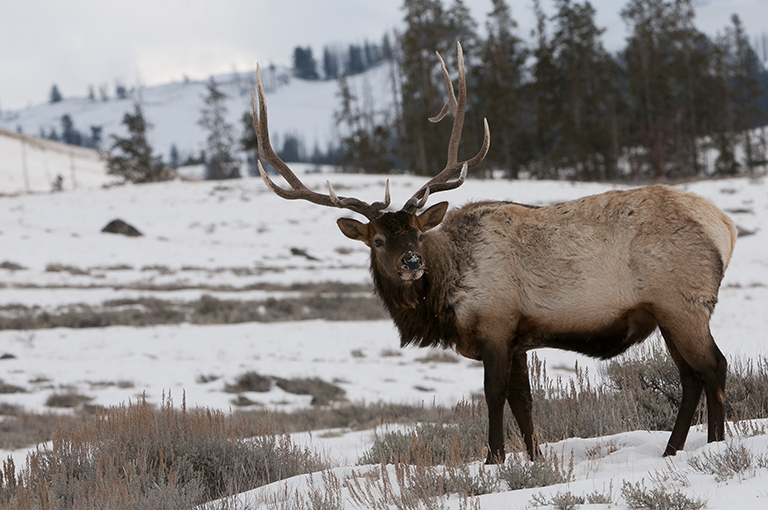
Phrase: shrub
(68, 399)
(135, 457)
(728, 460)
(560, 501)
(466, 425)
(250, 381)
(640, 498)
(10, 388)
(520, 473)
(322, 392)
(639, 391)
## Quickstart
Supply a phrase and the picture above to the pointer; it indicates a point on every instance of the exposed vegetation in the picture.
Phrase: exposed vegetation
(562, 106)
(638, 497)
(136, 457)
(639, 391)
(205, 310)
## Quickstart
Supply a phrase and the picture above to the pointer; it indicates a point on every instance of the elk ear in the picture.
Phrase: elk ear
(354, 229)
(432, 217)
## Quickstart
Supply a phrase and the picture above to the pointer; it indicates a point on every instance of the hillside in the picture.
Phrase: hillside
(302, 108)
(32, 164)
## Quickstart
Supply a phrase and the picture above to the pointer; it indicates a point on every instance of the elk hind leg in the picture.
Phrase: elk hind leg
(701, 365)
(521, 402)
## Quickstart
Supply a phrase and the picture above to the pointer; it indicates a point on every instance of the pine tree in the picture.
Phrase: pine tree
(588, 98)
(131, 158)
(498, 83)
(69, 134)
(424, 145)
(220, 162)
(723, 131)
(366, 148)
(173, 157)
(304, 64)
(55, 96)
(746, 92)
(94, 141)
(355, 62)
(544, 94)
(249, 143)
(330, 64)
(668, 70)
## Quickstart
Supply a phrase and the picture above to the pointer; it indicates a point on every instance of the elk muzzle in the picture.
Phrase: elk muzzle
(412, 267)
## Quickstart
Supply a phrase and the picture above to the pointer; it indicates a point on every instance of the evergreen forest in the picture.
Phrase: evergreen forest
(673, 103)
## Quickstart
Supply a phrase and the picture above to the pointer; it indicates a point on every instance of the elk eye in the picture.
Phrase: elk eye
(378, 242)
(421, 237)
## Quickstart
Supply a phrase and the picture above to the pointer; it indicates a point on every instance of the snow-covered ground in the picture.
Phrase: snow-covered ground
(225, 238)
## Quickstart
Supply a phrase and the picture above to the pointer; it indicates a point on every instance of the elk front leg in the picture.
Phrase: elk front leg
(521, 402)
(496, 380)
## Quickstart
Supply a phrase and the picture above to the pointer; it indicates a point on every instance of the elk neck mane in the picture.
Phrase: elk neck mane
(422, 310)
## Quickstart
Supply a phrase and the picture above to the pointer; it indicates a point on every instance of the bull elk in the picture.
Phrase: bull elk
(496, 279)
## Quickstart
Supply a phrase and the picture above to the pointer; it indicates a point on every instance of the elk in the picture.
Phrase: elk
(496, 279)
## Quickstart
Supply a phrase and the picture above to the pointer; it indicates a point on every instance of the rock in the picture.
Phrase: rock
(118, 226)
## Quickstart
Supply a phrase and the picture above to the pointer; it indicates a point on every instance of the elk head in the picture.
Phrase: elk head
(395, 238)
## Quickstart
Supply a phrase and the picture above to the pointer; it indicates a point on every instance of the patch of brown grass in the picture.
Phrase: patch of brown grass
(136, 457)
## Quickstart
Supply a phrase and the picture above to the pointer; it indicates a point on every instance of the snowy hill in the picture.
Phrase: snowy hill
(32, 164)
(298, 107)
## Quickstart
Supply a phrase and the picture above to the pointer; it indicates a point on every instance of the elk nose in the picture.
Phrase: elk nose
(412, 261)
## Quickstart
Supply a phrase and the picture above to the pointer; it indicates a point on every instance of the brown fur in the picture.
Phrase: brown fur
(594, 275)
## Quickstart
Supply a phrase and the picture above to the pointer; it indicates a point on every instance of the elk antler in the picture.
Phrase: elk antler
(440, 181)
(299, 190)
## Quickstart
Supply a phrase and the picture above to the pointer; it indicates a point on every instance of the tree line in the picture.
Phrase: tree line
(562, 106)
(672, 103)
(339, 60)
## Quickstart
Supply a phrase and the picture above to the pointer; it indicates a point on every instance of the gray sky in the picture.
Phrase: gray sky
(77, 43)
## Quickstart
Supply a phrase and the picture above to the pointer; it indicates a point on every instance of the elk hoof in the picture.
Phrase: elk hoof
(671, 451)
(497, 458)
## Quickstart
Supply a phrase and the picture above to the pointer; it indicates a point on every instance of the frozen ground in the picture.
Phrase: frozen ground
(228, 238)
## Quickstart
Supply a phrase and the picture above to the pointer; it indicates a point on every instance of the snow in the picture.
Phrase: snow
(29, 163)
(224, 238)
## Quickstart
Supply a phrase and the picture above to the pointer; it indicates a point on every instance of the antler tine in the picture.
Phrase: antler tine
(457, 107)
(299, 190)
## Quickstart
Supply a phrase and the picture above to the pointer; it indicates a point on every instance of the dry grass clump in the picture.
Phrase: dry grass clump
(322, 392)
(638, 497)
(10, 388)
(206, 310)
(63, 268)
(338, 307)
(250, 381)
(11, 266)
(19, 428)
(134, 457)
(422, 483)
(521, 473)
(356, 416)
(465, 426)
(68, 399)
(728, 461)
(438, 356)
(639, 391)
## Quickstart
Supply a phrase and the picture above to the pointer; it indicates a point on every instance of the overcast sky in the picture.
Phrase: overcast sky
(78, 43)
